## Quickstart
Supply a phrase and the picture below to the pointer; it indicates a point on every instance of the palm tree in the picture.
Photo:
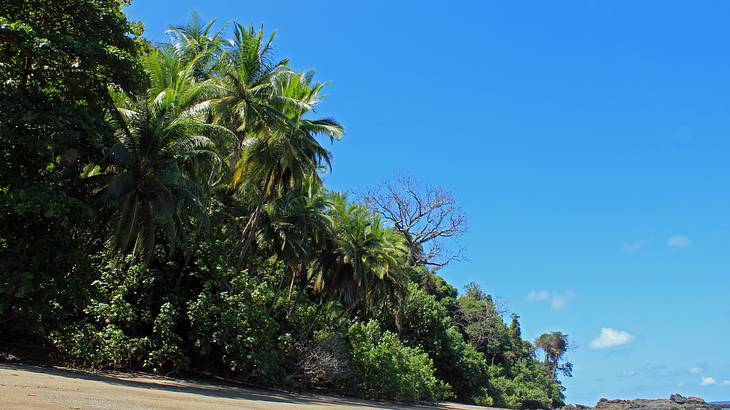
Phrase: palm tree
(295, 225)
(363, 260)
(281, 159)
(300, 154)
(247, 87)
(196, 42)
(158, 136)
(246, 102)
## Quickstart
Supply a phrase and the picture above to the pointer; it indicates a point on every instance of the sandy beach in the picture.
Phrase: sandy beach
(32, 387)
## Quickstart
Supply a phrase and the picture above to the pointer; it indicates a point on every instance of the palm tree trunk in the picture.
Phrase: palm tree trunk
(188, 256)
(314, 320)
(276, 294)
(250, 227)
(196, 235)
(345, 311)
(297, 271)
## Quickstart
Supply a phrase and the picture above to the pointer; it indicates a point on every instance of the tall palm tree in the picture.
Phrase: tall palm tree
(363, 260)
(158, 135)
(247, 86)
(246, 102)
(292, 153)
(197, 42)
(283, 157)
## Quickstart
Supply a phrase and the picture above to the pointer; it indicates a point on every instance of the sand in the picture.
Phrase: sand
(31, 387)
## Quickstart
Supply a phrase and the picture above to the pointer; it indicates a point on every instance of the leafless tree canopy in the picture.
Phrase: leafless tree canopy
(428, 216)
(323, 362)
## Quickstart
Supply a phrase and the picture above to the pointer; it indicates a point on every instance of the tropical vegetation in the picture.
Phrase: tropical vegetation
(162, 208)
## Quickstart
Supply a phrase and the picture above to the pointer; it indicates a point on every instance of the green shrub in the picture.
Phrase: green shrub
(167, 350)
(231, 329)
(107, 347)
(113, 333)
(526, 390)
(426, 323)
(387, 369)
(468, 369)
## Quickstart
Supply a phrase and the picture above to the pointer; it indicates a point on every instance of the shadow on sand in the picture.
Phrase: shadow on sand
(205, 388)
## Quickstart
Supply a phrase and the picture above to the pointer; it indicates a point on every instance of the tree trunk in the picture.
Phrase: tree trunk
(250, 227)
(196, 235)
(276, 294)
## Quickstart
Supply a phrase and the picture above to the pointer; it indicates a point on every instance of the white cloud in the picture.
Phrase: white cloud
(725, 383)
(558, 301)
(633, 247)
(707, 381)
(678, 242)
(538, 295)
(695, 370)
(611, 338)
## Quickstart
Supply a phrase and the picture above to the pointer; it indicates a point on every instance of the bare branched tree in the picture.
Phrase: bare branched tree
(322, 362)
(428, 217)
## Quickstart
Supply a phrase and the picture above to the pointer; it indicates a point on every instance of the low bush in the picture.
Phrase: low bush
(387, 369)
(231, 330)
(108, 347)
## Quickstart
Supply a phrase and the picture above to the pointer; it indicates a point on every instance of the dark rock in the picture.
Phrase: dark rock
(675, 402)
(574, 407)
(679, 399)
(616, 404)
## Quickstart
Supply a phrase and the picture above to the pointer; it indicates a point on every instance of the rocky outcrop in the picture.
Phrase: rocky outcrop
(574, 407)
(679, 399)
(675, 402)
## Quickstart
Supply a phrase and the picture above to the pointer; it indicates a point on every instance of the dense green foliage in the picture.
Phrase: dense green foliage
(162, 208)
(385, 368)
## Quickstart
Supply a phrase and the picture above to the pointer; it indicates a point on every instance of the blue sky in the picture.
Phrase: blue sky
(588, 142)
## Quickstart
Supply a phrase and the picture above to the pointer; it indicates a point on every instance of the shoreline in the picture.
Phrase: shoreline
(34, 387)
